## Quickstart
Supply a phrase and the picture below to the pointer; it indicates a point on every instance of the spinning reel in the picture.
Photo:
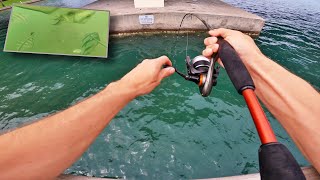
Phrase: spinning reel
(203, 72)
(200, 69)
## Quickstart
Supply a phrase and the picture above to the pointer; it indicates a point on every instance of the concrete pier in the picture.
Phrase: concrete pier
(309, 172)
(125, 18)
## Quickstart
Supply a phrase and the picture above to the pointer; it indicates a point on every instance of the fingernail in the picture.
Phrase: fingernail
(212, 41)
(208, 51)
(211, 31)
(205, 40)
(171, 69)
(216, 46)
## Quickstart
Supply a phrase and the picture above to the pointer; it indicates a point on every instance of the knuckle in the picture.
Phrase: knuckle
(145, 60)
(203, 52)
(212, 40)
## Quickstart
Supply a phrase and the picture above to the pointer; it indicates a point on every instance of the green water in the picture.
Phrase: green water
(172, 133)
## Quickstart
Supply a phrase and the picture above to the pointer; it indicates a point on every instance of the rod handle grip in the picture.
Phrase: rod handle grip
(234, 66)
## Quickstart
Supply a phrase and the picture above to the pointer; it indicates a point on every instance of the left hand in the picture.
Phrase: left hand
(147, 75)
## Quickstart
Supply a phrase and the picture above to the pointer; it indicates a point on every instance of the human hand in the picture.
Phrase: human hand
(243, 44)
(147, 75)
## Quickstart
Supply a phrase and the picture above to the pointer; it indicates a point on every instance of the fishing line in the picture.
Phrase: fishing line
(187, 44)
(190, 14)
(180, 26)
(200, 70)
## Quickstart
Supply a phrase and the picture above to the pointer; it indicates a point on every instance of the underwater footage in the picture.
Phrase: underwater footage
(53, 30)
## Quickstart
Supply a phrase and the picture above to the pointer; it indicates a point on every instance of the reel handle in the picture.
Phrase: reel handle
(234, 66)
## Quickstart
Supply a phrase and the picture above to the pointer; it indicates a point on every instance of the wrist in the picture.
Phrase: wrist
(253, 62)
(122, 90)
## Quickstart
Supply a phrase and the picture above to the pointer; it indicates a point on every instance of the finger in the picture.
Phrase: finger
(214, 47)
(220, 32)
(210, 50)
(207, 52)
(166, 72)
(210, 40)
(163, 60)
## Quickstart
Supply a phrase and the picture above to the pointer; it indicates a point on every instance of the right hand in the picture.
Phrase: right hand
(243, 44)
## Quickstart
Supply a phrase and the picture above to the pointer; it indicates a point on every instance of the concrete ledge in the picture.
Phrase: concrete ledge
(125, 18)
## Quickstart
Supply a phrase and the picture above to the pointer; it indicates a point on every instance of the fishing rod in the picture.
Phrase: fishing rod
(275, 160)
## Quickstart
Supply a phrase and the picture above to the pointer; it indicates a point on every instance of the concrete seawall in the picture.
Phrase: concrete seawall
(125, 18)
(309, 172)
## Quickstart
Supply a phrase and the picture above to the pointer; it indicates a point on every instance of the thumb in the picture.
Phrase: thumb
(165, 72)
(220, 32)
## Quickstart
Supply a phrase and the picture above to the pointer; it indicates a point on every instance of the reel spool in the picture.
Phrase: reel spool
(203, 72)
